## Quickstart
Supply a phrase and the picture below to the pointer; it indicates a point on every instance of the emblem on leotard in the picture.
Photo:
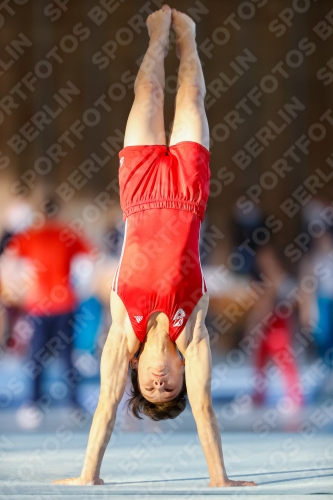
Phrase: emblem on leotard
(121, 161)
(138, 318)
(178, 318)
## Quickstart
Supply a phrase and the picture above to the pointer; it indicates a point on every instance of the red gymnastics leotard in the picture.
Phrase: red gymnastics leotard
(163, 194)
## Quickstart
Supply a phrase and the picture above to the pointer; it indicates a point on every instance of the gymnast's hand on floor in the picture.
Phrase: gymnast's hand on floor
(79, 481)
(229, 482)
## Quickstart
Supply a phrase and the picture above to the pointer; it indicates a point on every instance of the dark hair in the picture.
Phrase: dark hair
(275, 247)
(156, 411)
(50, 207)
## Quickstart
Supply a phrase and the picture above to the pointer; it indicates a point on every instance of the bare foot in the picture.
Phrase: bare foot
(78, 481)
(229, 482)
(184, 28)
(158, 25)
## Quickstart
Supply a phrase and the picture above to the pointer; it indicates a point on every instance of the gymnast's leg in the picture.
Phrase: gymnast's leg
(190, 122)
(145, 125)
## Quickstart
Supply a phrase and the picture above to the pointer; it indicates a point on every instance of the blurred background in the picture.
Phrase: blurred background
(67, 71)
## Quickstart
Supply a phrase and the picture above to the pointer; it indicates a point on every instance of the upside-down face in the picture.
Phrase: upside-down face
(160, 375)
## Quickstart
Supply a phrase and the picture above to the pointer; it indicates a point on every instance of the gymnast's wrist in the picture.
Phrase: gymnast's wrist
(89, 476)
(218, 477)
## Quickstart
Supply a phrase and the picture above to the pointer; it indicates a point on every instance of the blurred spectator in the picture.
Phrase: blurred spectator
(15, 218)
(90, 308)
(316, 309)
(243, 224)
(49, 302)
(113, 240)
(275, 338)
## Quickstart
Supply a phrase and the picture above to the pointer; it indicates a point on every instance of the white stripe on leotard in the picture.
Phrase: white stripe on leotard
(116, 276)
(202, 276)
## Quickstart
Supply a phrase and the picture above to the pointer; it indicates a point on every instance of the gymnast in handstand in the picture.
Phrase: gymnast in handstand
(159, 297)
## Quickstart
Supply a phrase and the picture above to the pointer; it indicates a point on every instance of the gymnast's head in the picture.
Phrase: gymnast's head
(158, 383)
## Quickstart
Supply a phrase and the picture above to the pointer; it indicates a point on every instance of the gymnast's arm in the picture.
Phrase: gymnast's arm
(198, 373)
(114, 368)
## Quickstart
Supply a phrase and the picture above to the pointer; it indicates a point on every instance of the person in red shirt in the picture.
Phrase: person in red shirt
(274, 313)
(48, 301)
(159, 297)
